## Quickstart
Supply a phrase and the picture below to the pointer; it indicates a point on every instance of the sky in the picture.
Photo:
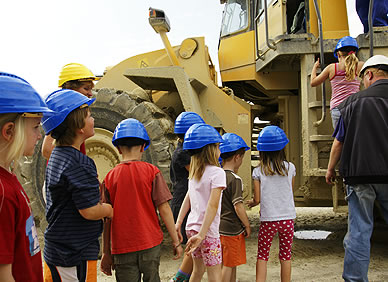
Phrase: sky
(38, 37)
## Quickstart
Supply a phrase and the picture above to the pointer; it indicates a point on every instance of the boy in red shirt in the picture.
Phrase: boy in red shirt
(135, 189)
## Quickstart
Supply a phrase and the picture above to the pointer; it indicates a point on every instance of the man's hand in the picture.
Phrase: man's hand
(330, 176)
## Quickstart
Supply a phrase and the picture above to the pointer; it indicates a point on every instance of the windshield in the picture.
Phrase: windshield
(235, 17)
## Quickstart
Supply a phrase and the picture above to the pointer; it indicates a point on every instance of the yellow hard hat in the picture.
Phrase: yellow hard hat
(75, 71)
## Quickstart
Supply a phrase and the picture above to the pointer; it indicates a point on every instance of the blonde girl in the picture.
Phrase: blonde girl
(206, 182)
(273, 184)
(21, 109)
(343, 75)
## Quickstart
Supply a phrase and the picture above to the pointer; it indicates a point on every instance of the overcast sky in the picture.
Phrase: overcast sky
(38, 37)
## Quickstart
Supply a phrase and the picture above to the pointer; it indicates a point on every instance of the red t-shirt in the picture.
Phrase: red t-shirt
(19, 244)
(135, 189)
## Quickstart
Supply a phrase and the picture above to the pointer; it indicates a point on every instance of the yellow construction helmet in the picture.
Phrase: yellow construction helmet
(75, 71)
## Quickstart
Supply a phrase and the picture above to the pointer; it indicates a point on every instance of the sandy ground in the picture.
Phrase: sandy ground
(313, 260)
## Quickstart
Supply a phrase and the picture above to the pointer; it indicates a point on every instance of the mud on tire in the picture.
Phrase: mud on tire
(111, 107)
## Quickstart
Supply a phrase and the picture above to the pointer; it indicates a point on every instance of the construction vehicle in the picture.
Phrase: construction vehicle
(266, 53)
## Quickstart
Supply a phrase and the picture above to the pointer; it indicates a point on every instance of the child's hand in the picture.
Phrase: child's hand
(178, 251)
(251, 203)
(317, 64)
(193, 243)
(247, 232)
(178, 231)
(108, 209)
(107, 264)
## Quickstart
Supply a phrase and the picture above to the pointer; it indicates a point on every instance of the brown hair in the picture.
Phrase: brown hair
(198, 162)
(74, 84)
(229, 155)
(66, 132)
(272, 162)
(351, 62)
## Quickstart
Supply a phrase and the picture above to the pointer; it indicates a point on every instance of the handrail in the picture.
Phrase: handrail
(322, 58)
(269, 44)
(370, 24)
(256, 18)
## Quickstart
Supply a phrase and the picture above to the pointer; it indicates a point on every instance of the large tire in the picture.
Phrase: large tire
(111, 107)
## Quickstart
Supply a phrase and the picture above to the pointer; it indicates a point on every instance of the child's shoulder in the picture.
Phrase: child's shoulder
(72, 156)
(214, 168)
(135, 165)
(232, 175)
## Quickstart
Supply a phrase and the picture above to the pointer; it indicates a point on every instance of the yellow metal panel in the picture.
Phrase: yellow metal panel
(277, 23)
(268, 80)
(236, 51)
(334, 19)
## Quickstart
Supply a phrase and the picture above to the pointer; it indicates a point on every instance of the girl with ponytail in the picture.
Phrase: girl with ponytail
(342, 75)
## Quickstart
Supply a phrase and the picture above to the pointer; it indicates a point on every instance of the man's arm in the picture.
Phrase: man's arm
(335, 155)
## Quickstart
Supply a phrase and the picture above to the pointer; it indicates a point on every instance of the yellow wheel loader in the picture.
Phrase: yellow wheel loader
(266, 53)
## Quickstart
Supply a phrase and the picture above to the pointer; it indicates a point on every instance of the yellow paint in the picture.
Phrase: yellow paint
(237, 50)
(143, 63)
(334, 19)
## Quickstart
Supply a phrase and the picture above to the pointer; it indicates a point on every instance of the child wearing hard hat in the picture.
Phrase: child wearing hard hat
(273, 185)
(206, 183)
(73, 209)
(179, 174)
(234, 224)
(343, 75)
(76, 77)
(132, 238)
(21, 109)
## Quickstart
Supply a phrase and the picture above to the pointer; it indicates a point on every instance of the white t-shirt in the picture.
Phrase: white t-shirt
(276, 197)
(199, 193)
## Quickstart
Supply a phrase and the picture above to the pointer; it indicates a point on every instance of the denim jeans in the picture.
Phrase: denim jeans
(335, 115)
(361, 198)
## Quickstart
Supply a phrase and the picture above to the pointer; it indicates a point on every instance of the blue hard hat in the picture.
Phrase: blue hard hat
(131, 127)
(346, 41)
(232, 142)
(18, 96)
(63, 102)
(185, 120)
(271, 138)
(200, 135)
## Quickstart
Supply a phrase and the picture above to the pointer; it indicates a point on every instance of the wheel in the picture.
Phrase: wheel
(111, 107)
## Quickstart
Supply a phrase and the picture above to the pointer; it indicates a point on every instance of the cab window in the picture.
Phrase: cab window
(235, 17)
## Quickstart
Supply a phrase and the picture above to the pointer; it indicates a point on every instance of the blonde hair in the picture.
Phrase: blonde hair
(272, 162)
(351, 63)
(198, 162)
(15, 148)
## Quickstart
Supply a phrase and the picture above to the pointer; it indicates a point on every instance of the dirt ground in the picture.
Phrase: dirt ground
(313, 260)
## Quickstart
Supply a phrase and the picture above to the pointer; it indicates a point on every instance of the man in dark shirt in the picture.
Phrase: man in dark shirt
(361, 139)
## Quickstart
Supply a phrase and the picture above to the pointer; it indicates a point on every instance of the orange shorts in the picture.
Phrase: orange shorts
(233, 250)
(87, 272)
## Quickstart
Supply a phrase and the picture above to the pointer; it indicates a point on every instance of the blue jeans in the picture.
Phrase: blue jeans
(335, 115)
(361, 198)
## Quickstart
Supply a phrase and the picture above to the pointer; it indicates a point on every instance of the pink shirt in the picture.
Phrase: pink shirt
(341, 88)
(199, 193)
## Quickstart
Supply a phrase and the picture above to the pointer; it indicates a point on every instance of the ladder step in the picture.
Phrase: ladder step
(317, 104)
(317, 138)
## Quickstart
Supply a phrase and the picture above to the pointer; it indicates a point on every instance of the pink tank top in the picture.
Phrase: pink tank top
(341, 88)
